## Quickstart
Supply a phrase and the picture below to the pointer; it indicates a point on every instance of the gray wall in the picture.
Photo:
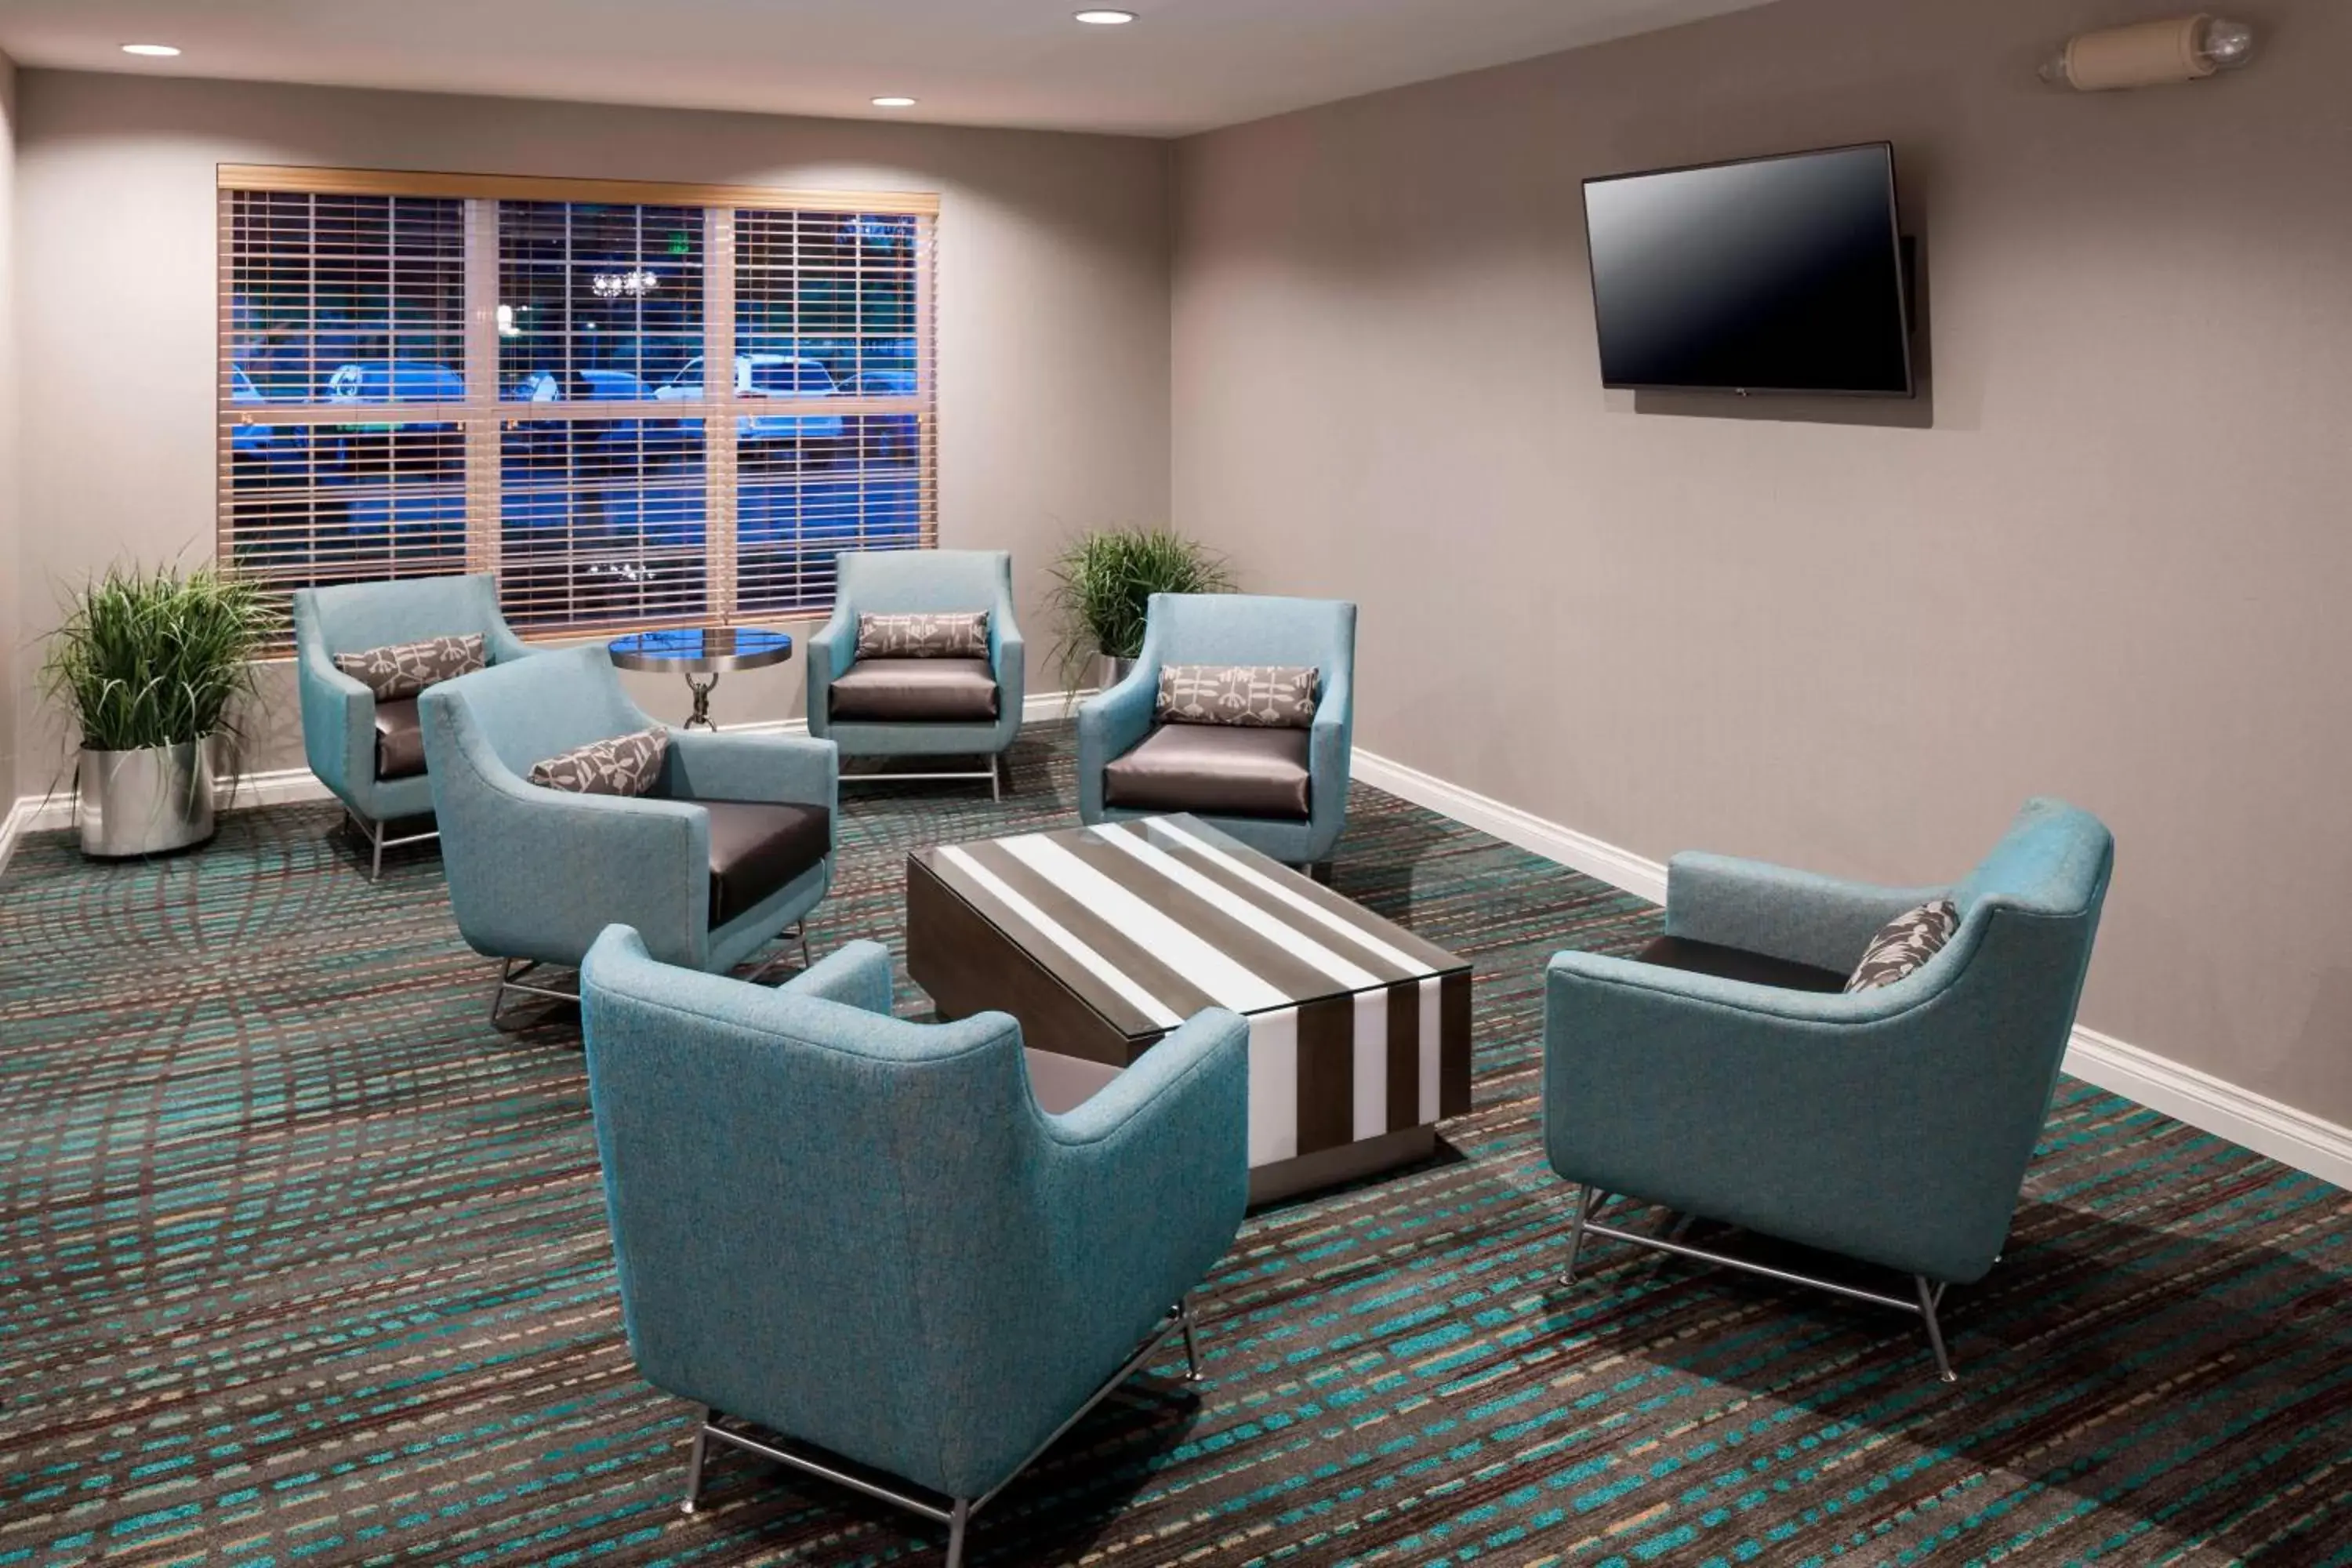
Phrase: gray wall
(2114, 566)
(1052, 311)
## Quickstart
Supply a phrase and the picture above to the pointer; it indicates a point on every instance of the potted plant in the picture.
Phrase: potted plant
(1103, 583)
(150, 663)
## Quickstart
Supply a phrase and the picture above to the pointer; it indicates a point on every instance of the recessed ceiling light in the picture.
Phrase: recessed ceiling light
(894, 103)
(1106, 18)
(153, 51)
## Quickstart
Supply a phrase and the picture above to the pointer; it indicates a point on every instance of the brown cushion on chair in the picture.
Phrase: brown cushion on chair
(948, 690)
(756, 846)
(1220, 768)
(399, 740)
(1739, 964)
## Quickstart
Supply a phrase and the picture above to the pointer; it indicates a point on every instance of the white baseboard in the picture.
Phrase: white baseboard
(2210, 1104)
(1622, 868)
(2213, 1105)
(286, 786)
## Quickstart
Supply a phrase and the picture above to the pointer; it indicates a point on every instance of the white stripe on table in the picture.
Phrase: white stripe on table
(1296, 900)
(1429, 1053)
(1371, 1082)
(1224, 980)
(1053, 931)
(1273, 1087)
(1226, 902)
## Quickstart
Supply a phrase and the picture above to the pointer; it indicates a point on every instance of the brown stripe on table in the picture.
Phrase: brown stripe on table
(1381, 967)
(1156, 830)
(1327, 1074)
(1295, 977)
(1154, 975)
(957, 953)
(1404, 1056)
(1454, 1064)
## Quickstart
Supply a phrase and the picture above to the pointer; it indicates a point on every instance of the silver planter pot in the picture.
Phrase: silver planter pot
(1115, 669)
(148, 802)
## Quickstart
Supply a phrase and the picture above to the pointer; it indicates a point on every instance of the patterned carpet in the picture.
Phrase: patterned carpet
(302, 1263)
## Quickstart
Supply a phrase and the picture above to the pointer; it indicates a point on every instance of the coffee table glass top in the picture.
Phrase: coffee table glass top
(701, 651)
(1150, 921)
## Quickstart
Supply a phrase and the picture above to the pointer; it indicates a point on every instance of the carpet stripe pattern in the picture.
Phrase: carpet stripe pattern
(302, 1263)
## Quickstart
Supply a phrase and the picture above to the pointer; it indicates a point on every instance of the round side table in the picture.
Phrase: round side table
(701, 654)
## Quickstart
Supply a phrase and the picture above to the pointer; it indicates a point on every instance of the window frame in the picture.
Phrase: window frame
(484, 414)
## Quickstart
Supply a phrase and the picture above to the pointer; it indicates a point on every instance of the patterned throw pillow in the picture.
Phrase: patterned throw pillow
(404, 670)
(626, 764)
(1261, 696)
(1906, 942)
(960, 635)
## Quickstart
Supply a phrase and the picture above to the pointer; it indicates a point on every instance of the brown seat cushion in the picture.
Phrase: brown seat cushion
(1739, 964)
(1061, 1084)
(1220, 768)
(399, 740)
(957, 690)
(756, 846)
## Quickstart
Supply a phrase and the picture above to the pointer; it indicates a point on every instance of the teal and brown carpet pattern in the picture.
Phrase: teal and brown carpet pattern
(302, 1262)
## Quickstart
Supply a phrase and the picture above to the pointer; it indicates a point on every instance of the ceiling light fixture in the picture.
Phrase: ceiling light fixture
(153, 51)
(893, 101)
(1106, 18)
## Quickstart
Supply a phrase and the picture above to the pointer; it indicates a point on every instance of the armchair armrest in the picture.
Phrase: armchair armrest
(1109, 724)
(1328, 750)
(856, 974)
(1008, 656)
(830, 650)
(1149, 1178)
(1799, 916)
(782, 769)
(337, 724)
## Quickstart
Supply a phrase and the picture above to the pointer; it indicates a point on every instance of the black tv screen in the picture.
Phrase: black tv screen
(1772, 275)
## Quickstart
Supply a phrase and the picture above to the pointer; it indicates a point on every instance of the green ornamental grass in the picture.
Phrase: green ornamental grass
(156, 658)
(1103, 583)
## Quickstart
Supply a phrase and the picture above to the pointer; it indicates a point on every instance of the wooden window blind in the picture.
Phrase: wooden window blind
(422, 374)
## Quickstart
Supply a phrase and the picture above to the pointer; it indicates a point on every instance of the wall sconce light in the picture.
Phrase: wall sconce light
(2151, 53)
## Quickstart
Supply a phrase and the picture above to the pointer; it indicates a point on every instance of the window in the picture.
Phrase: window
(428, 374)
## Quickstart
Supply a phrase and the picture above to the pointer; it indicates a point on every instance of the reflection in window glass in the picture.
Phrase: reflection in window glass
(596, 301)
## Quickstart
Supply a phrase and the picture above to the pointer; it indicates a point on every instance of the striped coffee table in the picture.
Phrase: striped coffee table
(1101, 939)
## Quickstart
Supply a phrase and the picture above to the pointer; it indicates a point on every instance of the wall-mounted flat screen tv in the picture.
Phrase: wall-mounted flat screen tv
(1770, 275)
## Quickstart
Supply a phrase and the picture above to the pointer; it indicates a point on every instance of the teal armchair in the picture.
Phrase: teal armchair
(920, 707)
(861, 1246)
(1731, 1078)
(731, 851)
(368, 753)
(1282, 792)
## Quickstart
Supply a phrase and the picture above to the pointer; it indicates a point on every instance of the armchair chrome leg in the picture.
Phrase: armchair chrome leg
(376, 868)
(507, 972)
(695, 1456)
(996, 778)
(1930, 1298)
(958, 1524)
(510, 978)
(791, 934)
(1587, 1203)
(1191, 1343)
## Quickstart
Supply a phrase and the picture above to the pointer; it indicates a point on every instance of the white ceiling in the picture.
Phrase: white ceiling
(1187, 66)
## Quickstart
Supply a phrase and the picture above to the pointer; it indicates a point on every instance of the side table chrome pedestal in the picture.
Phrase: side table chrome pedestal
(701, 654)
